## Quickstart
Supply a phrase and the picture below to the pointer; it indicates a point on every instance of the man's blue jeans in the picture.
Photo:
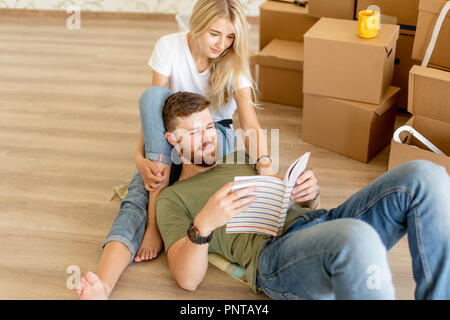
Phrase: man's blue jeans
(341, 253)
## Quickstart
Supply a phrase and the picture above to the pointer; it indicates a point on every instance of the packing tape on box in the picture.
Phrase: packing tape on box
(297, 2)
(416, 134)
(437, 28)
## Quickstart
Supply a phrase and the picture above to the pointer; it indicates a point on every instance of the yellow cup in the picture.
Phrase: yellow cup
(368, 23)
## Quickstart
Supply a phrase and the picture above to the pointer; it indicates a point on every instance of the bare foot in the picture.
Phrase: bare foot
(91, 288)
(150, 247)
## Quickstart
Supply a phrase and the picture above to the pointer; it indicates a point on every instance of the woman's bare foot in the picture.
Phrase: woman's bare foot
(151, 245)
(91, 288)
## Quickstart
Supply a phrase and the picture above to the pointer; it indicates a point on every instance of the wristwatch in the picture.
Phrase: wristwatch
(195, 237)
(263, 165)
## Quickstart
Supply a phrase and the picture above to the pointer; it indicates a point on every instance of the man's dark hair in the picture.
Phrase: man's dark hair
(182, 104)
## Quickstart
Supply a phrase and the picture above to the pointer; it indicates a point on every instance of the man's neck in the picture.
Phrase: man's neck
(190, 170)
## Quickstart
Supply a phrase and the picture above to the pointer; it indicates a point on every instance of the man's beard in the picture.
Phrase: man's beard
(206, 163)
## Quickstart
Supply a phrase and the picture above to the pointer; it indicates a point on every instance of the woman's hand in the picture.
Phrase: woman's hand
(153, 173)
(306, 187)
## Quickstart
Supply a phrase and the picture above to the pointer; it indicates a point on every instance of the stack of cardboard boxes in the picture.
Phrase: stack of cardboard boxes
(429, 11)
(428, 93)
(350, 87)
(280, 59)
(349, 103)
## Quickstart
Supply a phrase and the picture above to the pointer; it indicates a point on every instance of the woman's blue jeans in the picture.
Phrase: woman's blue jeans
(341, 253)
(129, 225)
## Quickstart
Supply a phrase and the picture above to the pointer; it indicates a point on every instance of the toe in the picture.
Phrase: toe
(138, 258)
(92, 278)
(83, 282)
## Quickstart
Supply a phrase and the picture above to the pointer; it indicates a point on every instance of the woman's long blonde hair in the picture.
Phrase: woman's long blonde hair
(235, 59)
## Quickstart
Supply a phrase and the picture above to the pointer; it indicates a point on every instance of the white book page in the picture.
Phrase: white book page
(293, 172)
(296, 169)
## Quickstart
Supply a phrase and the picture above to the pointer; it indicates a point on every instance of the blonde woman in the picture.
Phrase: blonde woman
(212, 60)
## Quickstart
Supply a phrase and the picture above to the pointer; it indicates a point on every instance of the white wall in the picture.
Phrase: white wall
(148, 6)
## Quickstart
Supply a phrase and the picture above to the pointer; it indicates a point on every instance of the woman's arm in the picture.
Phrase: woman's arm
(251, 127)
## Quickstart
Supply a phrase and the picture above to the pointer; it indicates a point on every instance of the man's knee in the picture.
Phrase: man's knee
(359, 241)
(425, 172)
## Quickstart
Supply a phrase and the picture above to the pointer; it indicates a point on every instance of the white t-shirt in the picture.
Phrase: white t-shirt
(171, 57)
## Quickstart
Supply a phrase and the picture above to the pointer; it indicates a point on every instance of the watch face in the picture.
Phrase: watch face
(191, 233)
(264, 162)
(194, 236)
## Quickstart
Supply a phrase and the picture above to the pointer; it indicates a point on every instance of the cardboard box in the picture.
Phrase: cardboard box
(403, 63)
(405, 12)
(429, 11)
(342, 9)
(354, 129)
(428, 101)
(281, 72)
(286, 21)
(435, 131)
(429, 93)
(340, 64)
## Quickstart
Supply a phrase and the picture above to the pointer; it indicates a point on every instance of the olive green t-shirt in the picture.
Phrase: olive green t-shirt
(178, 205)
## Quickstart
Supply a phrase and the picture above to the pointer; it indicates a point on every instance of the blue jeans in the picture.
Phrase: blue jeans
(342, 253)
(129, 225)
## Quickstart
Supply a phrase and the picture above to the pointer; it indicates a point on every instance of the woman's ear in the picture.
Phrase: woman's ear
(171, 138)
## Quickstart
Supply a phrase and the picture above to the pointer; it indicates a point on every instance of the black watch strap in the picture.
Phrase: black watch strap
(195, 237)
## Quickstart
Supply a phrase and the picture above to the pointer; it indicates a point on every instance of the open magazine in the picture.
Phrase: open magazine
(267, 213)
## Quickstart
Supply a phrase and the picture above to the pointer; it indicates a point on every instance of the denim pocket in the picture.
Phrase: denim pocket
(273, 294)
(280, 295)
(316, 214)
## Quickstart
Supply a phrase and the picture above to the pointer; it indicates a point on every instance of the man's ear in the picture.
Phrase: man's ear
(171, 138)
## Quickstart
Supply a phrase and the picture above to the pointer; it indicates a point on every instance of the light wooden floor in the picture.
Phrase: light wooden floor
(68, 132)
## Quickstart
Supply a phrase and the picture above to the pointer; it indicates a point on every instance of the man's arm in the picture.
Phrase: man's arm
(188, 261)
